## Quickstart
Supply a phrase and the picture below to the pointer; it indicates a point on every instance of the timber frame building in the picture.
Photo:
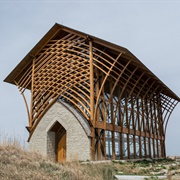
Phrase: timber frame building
(92, 99)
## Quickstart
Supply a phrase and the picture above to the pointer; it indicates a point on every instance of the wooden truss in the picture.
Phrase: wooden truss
(127, 106)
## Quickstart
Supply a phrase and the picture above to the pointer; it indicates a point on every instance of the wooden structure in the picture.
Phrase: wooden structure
(125, 104)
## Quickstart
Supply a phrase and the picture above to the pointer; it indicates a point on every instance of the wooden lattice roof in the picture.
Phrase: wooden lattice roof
(56, 31)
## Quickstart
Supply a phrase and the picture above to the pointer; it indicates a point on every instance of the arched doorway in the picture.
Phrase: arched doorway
(60, 142)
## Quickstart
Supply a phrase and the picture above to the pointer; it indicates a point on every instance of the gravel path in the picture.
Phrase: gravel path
(129, 177)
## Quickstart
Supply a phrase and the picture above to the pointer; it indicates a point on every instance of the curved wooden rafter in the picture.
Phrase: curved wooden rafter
(97, 99)
(25, 101)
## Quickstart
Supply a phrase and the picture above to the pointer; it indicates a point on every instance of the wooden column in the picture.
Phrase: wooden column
(92, 100)
(112, 121)
(99, 145)
(121, 118)
(91, 82)
(148, 126)
(144, 128)
(99, 150)
(134, 126)
(139, 128)
(127, 124)
(104, 143)
(156, 122)
(153, 125)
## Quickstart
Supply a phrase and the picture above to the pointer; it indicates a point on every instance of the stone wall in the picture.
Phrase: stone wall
(77, 132)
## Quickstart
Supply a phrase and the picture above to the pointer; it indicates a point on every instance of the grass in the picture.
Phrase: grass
(19, 164)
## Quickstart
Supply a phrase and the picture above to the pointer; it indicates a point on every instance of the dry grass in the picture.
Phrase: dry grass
(18, 164)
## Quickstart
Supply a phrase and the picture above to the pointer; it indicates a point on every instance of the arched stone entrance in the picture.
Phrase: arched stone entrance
(60, 141)
(62, 134)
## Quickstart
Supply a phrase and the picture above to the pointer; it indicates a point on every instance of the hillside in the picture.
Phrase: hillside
(18, 164)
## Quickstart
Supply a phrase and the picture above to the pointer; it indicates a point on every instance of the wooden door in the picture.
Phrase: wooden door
(61, 154)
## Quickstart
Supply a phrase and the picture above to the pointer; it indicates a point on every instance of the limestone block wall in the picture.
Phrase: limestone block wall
(77, 132)
(51, 145)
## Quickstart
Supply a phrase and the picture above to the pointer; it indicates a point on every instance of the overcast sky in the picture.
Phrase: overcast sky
(149, 29)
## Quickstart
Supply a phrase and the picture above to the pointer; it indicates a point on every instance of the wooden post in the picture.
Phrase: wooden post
(139, 129)
(144, 129)
(112, 122)
(92, 100)
(91, 81)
